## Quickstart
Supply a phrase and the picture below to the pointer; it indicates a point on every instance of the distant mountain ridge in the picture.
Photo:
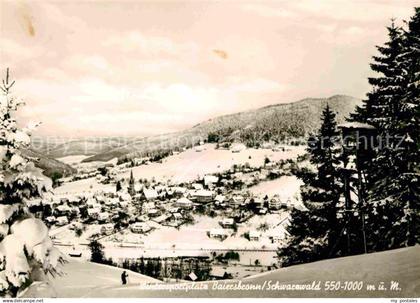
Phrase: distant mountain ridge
(277, 121)
(61, 147)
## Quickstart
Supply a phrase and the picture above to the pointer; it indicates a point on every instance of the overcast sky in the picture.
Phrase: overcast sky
(142, 68)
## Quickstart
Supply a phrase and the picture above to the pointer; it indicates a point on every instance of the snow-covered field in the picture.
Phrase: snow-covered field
(90, 185)
(195, 236)
(187, 240)
(65, 235)
(85, 279)
(285, 187)
(186, 166)
(73, 160)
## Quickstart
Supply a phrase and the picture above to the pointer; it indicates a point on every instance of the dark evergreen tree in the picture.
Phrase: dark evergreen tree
(393, 108)
(158, 268)
(96, 252)
(314, 232)
(118, 186)
(400, 186)
(381, 102)
(142, 266)
(149, 270)
(411, 121)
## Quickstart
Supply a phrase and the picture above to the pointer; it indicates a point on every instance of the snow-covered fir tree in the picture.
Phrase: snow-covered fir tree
(378, 108)
(314, 232)
(411, 100)
(400, 186)
(393, 108)
(27, 253)
(382, 103)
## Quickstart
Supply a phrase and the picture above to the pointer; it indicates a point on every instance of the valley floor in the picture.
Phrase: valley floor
(187, 240)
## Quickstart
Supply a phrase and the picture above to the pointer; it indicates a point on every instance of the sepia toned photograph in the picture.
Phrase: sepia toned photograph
(209, 149)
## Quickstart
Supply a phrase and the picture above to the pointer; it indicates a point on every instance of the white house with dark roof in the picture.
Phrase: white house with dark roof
(150, 194)
(140, 227)
(227, 222)
(202, 196)
(184, 203)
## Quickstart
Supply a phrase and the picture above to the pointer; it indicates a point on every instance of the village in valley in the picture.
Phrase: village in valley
(201, 213)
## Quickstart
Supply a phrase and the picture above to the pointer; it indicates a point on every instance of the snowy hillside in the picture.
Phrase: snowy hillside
(85, 279)
(292, 119)
(402, 265)
(49, 165)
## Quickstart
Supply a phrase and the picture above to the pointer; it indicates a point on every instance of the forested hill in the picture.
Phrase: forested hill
(295, 119)
(50, 166)
(274, 122)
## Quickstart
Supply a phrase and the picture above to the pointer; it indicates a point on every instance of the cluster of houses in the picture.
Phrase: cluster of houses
(141, 204)
(109, 208)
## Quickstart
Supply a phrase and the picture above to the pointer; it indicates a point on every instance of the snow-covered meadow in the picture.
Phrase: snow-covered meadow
(206, 159)
(183, 167)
